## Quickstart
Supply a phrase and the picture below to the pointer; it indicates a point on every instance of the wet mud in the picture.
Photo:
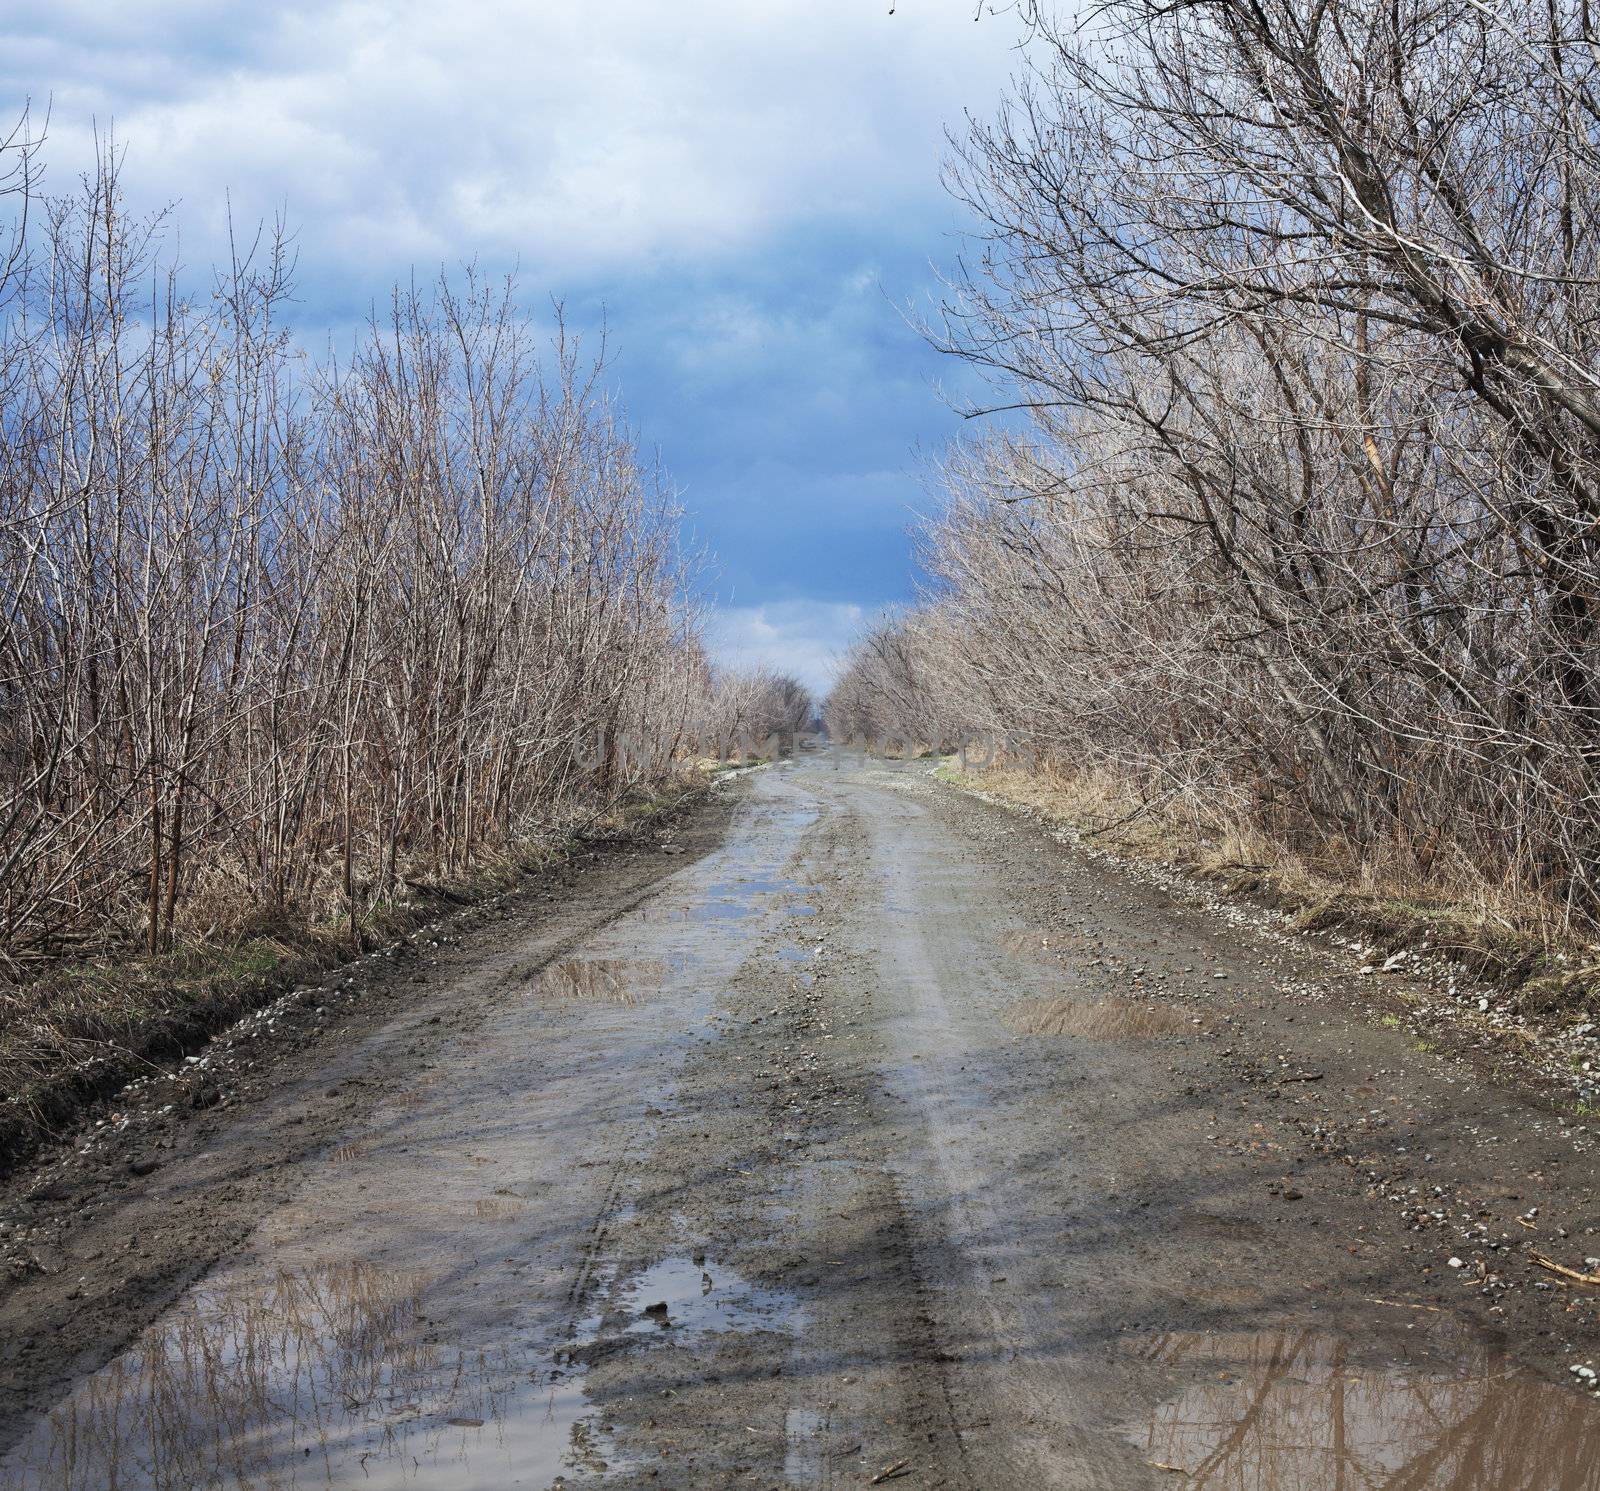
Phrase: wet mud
(882, 1142)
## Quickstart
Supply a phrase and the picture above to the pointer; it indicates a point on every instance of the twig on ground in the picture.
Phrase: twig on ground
(1563, 1270)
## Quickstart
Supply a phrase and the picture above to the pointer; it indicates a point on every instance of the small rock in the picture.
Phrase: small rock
(144, 1165)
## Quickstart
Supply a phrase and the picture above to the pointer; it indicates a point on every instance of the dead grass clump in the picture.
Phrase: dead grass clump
(1385, 895)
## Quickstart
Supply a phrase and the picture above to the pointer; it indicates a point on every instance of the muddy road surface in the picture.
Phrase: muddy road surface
(876, 1140)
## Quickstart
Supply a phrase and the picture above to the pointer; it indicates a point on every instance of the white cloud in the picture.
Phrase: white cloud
(577, 137)
(804, 638)
(728, 183)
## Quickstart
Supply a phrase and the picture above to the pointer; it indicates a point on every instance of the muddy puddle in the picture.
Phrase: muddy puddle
(692, 1296)
(608, 980)
(331, 1377)
(1109, 1018)
(804, 1462)
(1296, 1411)
(336, 1377)
(727, 900)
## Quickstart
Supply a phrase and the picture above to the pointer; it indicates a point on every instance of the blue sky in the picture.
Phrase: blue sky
(748, 190)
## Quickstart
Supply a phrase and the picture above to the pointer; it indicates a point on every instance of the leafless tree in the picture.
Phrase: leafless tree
(1298, 298)
(284, 637)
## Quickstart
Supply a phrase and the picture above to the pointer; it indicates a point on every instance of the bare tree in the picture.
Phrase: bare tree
(286, 639)
(1297, 298)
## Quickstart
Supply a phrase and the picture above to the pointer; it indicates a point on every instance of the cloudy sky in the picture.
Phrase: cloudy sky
(746, 190)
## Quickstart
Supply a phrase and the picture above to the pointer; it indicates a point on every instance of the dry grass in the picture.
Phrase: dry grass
(1383, 895)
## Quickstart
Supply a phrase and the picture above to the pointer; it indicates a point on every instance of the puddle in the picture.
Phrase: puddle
(1292, 1411)
(687, 1297)
(803, 909)
(803, 1461)
(609, 980)
(326, 1378)
(796, 954)
(1110, 1018)
(726, 900)
(759, 885)
(727, 908)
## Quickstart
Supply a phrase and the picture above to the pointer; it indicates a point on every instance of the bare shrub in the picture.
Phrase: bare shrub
(747, 709)
(1304, 534)
(286, 638)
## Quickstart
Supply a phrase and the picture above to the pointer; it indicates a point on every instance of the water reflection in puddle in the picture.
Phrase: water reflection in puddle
(726, 900)
(695, 1295)
(1292, 1411)
(328, 1378)
(1109, 1018)
(609, 980)
(333, 1377)
(758, 885)
(724, 909)
(803, 1462)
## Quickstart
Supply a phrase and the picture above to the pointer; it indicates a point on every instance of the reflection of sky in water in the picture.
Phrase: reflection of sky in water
(702, 1295)
(329, 1378)
(1289, 1411)
(731, 899)
(326, 1379)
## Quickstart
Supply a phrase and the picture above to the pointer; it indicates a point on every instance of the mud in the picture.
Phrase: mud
(1097, 1019)
(621, 980)
(879, 1137)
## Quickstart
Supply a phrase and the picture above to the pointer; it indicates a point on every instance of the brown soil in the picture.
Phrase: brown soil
(803, 1206)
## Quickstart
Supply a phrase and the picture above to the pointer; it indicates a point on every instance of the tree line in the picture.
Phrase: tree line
(282, 635)
(1300, 524)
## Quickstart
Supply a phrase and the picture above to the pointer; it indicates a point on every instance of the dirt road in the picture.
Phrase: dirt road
(885, 1142)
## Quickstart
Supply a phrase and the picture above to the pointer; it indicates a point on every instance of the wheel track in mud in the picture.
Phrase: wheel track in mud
(941, 1246)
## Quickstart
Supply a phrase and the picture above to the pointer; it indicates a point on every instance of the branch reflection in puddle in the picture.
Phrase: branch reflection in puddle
(327, 1377)
(1293, 1411)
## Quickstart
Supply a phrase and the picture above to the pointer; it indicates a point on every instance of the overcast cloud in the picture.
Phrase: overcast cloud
(745, 191)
